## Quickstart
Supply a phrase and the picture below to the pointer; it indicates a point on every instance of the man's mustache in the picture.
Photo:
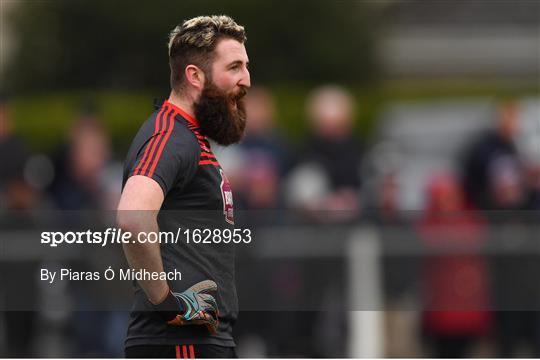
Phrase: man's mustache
(241, 93)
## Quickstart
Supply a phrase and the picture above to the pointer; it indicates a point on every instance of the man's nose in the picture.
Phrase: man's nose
(246, 80)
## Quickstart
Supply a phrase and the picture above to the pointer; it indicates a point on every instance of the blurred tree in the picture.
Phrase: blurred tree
(94, 44)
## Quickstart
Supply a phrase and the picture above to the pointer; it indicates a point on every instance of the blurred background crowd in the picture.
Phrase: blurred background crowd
(418, 119)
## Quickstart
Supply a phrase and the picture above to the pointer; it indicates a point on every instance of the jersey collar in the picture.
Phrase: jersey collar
(182, 113)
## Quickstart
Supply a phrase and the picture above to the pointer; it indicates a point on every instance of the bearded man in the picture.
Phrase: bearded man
(174, 181)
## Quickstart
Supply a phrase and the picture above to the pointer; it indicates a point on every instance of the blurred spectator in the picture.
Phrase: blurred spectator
(264, 154)
(394, 228)
(533, 177)
(81, 165)
(492, 169)
(17, 199)
(532, 161)
(256, 166)
(262, 136)
(328, 177)
(325, 187)
(385, 209)
(456, 297)
(84, 181)
(256, 172)
(388, 199)
(13, 152)
(496, 182)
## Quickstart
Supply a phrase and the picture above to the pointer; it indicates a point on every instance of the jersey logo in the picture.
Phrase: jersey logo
(226, 194)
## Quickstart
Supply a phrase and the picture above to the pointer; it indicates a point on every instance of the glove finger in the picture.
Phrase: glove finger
(211, 313)
(208, 300)
(206, 313)
(203, 318)
(212, 328)
(204, 286)
(178, 321)
(210, 321)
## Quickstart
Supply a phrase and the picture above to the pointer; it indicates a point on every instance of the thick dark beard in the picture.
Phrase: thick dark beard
(218, 119)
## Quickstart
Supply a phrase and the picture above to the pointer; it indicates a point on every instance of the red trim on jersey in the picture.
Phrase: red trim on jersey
(191, 352)
(193, 125)
(164, 131)
(177, 348)
(184, 352)
(150, 144)
(208, 162)
(207, 154)
(183, 113)
(160, 150)
(204, 148)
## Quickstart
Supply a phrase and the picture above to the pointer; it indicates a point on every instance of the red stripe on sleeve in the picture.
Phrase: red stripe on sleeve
(191, 352)
(146, 151)
(162, 146)
(160, 136)
(177, 351)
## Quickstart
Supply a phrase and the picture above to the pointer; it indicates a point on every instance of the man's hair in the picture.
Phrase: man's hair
(194, 42)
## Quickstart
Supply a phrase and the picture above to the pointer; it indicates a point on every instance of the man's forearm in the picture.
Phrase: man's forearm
(146, 256)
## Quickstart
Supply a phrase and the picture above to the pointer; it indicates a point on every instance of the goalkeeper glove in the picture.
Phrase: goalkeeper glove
(195, 306)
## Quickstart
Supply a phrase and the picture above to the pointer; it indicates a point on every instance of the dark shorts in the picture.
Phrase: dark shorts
(181, 351)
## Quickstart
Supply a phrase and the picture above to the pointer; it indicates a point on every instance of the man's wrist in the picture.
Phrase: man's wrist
(161, 298)
(170, 306)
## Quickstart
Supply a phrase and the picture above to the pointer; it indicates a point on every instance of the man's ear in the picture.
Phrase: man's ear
(195, 76)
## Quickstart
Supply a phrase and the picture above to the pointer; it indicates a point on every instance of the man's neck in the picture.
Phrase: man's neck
(182, 102)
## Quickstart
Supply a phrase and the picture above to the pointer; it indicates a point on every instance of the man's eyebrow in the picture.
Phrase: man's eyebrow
(238, 62)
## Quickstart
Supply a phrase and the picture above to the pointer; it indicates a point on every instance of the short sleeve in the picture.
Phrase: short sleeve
(170, 155)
